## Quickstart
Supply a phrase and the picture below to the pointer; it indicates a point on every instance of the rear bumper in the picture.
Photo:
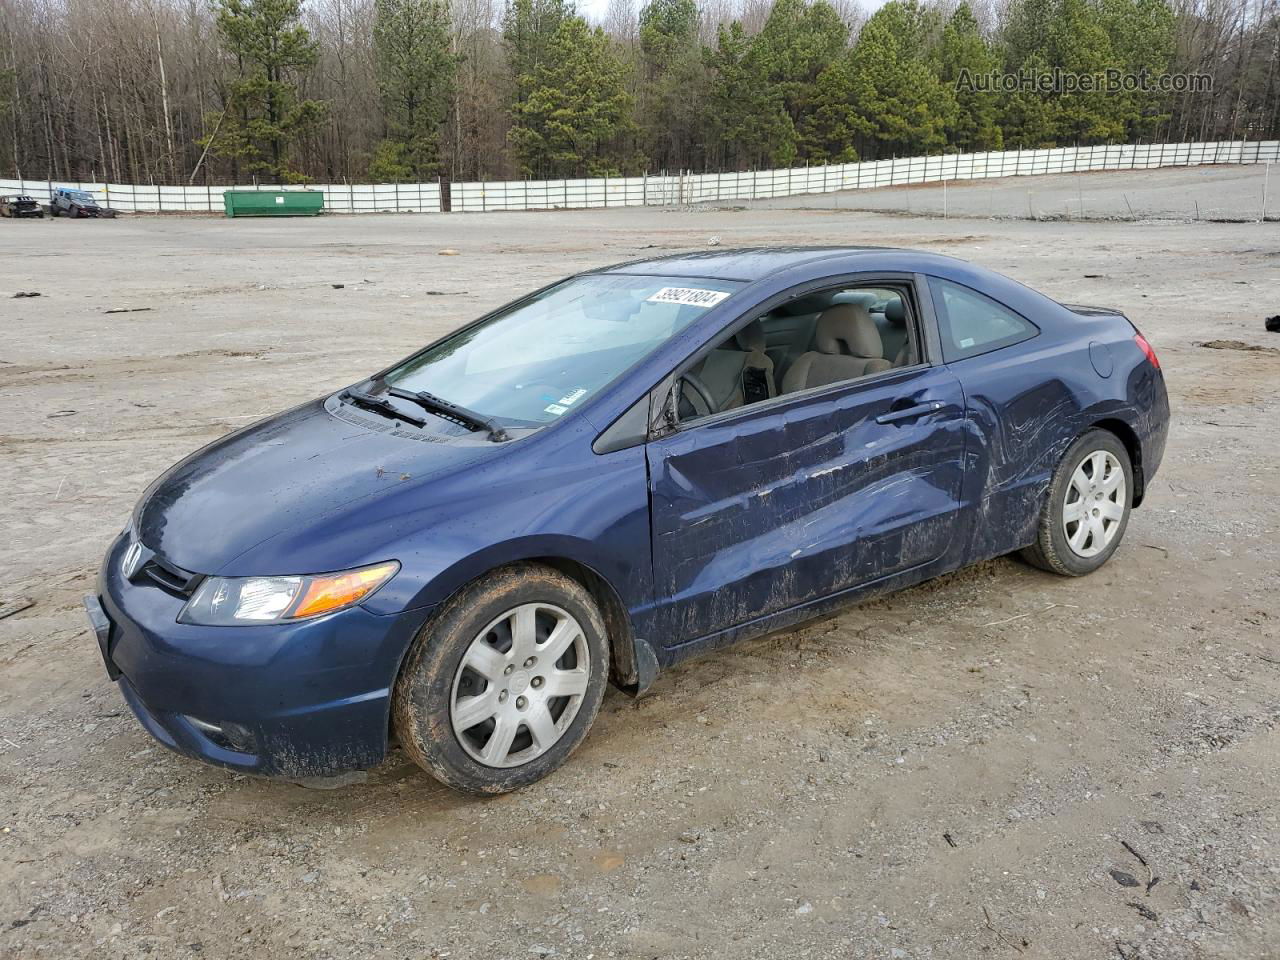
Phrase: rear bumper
(1157, 432)
(300, 700)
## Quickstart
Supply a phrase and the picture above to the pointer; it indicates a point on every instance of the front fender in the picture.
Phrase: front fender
(437, 583)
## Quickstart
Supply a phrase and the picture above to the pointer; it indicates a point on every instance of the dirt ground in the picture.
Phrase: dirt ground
(1179, 193)
(971, 768)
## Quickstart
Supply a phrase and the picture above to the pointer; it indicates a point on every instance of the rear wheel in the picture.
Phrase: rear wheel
(1087, 509)
(503, 684)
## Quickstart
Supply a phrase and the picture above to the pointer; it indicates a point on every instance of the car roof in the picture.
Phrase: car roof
(744, 263)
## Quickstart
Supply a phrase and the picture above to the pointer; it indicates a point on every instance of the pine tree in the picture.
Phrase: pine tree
(963, 56)
(900, 99)
(415, 71)
(833, 122)
(1030, 119)
(527, 29)
(668, 30)
(1080, 46)
(263, 112)
(1141, 33)
(1083, 38)
(1025, 33)
(798, 41)
(672, 84)
(746, 115)
(576, 118)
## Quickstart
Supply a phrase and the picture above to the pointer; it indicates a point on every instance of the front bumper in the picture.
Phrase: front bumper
(296, 700)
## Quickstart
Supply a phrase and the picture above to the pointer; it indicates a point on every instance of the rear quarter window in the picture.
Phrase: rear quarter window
(970, 323)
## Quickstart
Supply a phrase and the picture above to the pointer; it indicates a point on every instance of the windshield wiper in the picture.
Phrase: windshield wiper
(378, 405)
(451, 411)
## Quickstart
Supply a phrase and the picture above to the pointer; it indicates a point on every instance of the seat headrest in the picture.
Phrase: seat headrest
(864, 297)
(751, 337)
(848, 328)
(895, 311)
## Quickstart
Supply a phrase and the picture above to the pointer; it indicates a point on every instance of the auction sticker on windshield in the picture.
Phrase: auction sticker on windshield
(691, 296)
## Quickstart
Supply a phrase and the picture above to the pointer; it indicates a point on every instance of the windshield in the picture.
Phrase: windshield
(81, 197)
(537, 361)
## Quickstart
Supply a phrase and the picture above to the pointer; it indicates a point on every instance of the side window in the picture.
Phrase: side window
(971, 323)
(830, 336)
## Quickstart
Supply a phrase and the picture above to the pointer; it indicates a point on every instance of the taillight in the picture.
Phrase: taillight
(1145, 347)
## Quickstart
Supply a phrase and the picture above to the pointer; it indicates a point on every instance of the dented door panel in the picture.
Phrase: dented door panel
(1022, 418)
(756, 512)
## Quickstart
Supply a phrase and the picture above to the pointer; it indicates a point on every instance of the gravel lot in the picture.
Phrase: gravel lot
(952, 772)
(1180, 193)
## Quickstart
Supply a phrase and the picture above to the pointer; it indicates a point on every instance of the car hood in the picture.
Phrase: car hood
(288, 471)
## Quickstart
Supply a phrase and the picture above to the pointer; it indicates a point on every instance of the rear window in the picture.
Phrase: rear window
(971, 323)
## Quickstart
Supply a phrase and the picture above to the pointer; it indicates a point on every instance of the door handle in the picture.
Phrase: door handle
(910, 413)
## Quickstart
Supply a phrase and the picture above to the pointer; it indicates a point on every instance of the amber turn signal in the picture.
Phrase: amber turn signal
(333, 591)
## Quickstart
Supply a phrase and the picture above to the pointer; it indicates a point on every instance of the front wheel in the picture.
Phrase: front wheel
(504, 682)
(1087, 509)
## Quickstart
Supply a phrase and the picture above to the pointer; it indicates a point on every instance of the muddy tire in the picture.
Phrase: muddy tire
(503, 683)
(1087, 508)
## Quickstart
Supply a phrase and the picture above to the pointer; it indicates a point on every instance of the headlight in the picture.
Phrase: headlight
(237, 601)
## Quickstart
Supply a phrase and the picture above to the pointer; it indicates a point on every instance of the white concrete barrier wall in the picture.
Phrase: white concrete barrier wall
(678, 189)
(148, 198)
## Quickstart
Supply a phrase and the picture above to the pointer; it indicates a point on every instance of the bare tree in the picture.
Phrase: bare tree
(129, 90)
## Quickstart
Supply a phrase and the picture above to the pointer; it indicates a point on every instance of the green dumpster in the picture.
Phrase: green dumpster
(273, 203)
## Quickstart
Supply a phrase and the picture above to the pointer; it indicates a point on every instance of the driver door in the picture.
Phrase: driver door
(784, 501)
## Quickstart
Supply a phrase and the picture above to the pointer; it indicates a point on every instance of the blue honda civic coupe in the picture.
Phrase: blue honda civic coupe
(621, 470)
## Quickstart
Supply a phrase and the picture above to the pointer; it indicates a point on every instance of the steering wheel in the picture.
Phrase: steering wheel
(700, 392)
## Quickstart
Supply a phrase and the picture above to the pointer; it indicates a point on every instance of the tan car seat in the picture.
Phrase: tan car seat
(847, 346)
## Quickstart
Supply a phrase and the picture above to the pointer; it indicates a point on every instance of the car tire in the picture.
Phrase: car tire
(1087, 508)
(471, 692)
